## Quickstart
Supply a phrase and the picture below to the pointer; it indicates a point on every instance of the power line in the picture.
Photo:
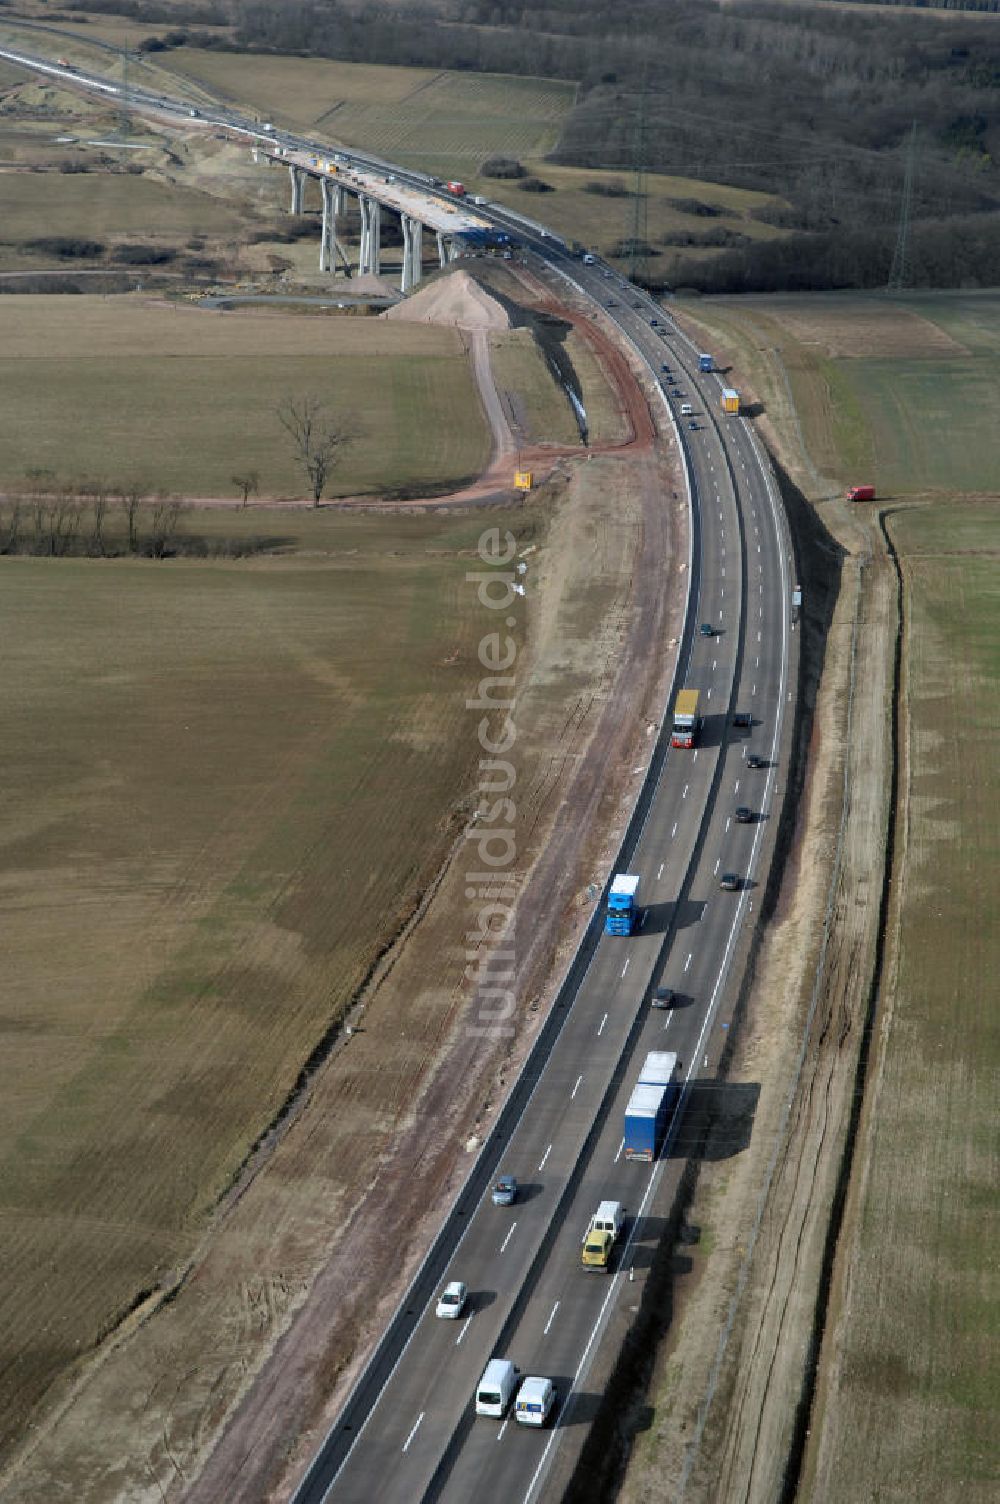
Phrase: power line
(899, 271)
(638, 251)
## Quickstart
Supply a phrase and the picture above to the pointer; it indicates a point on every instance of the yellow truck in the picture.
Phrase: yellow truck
(687, 721)
(602, 1234)
(730, 400)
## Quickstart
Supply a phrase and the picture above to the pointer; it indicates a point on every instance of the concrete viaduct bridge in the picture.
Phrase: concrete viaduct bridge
(339, 176)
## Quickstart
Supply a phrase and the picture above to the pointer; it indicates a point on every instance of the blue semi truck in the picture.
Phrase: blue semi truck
(706, 363)
(622, 917)
(653, 1099)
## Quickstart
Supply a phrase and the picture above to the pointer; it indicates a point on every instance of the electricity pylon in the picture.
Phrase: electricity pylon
(899, 272)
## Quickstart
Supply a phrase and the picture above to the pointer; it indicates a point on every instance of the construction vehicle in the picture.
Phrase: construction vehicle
(622, 917)
(687, 721)
(730, 400)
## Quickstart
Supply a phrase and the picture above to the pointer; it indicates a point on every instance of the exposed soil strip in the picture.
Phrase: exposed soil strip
(804, 1410)
(695, 1442)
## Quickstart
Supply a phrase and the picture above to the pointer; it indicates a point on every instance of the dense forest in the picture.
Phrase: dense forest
(821, 104)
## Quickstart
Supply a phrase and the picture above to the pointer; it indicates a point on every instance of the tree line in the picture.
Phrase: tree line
(88, 519)
(49, 519)
(955, 252)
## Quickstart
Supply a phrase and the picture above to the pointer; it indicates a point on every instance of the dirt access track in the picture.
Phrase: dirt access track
(220, 1384)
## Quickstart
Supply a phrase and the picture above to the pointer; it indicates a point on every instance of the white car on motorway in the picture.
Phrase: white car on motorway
(452, 1300)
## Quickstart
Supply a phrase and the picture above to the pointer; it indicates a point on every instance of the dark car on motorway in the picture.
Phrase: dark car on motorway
(706, 629)
(693, 425)
(743, 718)
(729, 882)
(663, 997)
(504, 1191)
(753, 761)
(744, 816)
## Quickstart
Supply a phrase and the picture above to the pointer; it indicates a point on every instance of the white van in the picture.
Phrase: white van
(496, 1388)
(534, 1402)
(609, 1217)
(686, 409)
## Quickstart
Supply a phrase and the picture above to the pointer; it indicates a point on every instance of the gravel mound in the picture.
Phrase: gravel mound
(455, 298)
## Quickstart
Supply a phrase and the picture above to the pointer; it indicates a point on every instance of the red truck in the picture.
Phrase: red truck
(458, 189)
(861, 493)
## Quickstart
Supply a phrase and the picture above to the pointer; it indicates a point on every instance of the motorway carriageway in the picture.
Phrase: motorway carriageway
(530, 1299)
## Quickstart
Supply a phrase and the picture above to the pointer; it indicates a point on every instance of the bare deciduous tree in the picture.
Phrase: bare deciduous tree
(64, 520)
(96, 493)
(164, 517)
(248, 484)
(130, 498)
(10, 525)
(316, 439)
(41, 483)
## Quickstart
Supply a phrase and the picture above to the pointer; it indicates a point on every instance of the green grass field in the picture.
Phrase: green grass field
(935, 425)
(225, 785)
(538, 406)
(452, 119)
(914, 1415)
(925, 415)
(185, 398)
(606, 422)
(111, 209)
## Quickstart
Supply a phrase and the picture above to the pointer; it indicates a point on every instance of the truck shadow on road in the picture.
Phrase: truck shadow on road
(660, 916)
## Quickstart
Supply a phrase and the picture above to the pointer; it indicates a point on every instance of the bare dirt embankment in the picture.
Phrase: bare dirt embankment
(259, 1342)
(735, 1369)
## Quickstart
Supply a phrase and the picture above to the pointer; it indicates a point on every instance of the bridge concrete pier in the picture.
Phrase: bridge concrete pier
(370, 257)
(298, 178)
(328, 234)
(442, 249)
(413, 232)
